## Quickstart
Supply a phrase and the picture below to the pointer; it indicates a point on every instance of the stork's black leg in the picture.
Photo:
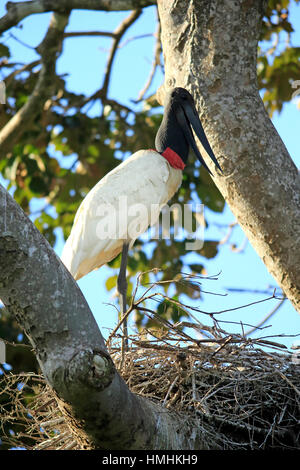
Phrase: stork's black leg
(122, 290)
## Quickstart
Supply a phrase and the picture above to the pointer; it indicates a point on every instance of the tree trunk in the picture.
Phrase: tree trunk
(210, 48)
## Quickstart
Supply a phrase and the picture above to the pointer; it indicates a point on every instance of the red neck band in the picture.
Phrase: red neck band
(173, 158)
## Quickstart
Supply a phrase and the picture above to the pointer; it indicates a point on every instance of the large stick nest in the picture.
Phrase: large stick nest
(239, 393)
(243, 398)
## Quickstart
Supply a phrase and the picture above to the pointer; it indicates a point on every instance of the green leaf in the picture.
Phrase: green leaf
(37, 185)
(210, 249)
(93, 151)
(4, 51)
(111, 282)
(196, 268)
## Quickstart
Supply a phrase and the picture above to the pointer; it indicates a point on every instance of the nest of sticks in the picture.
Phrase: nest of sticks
(243, 393)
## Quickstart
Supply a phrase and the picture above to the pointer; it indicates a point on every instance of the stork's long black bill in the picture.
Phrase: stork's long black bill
(181, 117)
(190, 115)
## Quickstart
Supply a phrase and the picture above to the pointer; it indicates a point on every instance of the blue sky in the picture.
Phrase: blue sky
(83, 59)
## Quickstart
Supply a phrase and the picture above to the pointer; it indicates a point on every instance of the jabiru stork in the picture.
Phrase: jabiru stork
(149, 177)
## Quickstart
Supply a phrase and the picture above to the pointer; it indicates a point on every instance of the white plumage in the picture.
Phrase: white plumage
(146, 178)
(129, 198)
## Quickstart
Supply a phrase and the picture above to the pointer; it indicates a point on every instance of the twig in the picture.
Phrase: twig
(242, 246)
(134, 38)
(289, 382)
(266, 318)
(24, 68)
(75, 34)
(170, 389)
(251, 291)
(21, 42)
(229, 233)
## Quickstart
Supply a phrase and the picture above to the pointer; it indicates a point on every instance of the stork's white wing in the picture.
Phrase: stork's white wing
(120, 207)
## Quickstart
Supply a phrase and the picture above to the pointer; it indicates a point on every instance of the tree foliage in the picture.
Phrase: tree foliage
(278, 59)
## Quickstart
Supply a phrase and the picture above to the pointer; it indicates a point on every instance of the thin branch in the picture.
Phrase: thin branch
(229, 233)
(267, 291)
(188, 309)
(242, 246)
(24, 68)
(266, 318)
(15, 38)
(49, 49)
(155, 63)
(134, 38)
(75, 34)
(118, 34)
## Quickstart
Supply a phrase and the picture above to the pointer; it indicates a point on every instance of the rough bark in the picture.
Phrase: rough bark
(210, 48)
(44, 298)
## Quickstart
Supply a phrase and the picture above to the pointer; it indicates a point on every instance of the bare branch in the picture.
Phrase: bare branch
(118, 34)
(23, 68)
(49, 49)
(134, 38)
(75, 34)
(155, 63)
(28, 46)
(20, 10)
(266, 318)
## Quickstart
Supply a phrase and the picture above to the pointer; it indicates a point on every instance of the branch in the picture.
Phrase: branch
(49, 50)
(75, 34)
(20, 10)
(42, 295)
(265, 319)
(118, 34)
(134, 38)
(24, 68)
(155, 63)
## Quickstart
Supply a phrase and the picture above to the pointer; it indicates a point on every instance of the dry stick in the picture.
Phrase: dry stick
(170, 389)
(284, 377)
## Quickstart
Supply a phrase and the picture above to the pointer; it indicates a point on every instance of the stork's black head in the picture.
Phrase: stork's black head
(175, 130)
